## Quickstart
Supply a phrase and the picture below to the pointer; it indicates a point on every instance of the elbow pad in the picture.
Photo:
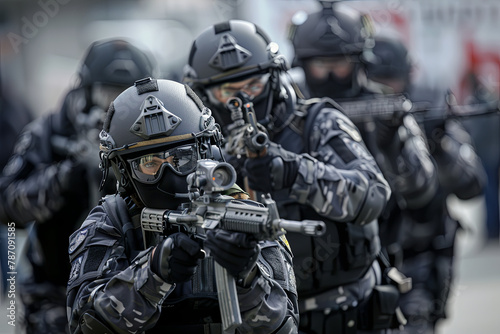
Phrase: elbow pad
(373, 205)
(418, 185)
(289, 327)
(89, 324)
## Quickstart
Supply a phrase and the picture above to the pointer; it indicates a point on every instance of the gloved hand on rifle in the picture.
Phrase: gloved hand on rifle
(274, 171)
(235, 251)
(176, 258)
(386, 130)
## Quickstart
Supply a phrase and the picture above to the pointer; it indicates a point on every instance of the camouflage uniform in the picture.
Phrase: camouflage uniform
(339, 183)
(111, 277)
(429, 252)
(316, 168)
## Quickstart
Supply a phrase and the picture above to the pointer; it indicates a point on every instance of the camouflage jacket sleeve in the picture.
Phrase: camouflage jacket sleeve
(340, 178)
(126, 295)
(271, 300)
(408, 165)
(36, 183)
(460, 169)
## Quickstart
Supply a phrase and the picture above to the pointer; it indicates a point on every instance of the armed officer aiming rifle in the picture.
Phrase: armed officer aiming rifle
(428, 256)
(210, 209)
(315, 167)
(138, 260)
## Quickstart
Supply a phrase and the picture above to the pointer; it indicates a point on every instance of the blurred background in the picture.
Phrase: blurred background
(453, 44)
(42, 41)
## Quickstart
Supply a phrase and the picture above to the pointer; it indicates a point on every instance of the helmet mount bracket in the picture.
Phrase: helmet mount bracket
(154, 120)
(229, 54)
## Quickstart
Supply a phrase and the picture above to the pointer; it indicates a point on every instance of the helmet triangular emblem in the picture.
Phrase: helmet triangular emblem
(154, 120)
(229, 54)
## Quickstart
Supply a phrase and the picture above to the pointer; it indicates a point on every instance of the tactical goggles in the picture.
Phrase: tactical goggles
(149, 168)
(253, 86)
(321, 67)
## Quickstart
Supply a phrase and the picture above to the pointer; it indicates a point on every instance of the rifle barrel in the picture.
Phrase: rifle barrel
(314, 228)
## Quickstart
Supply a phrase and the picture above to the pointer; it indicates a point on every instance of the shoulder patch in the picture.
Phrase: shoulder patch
(78, 240)
(349, 129)
(75, 269)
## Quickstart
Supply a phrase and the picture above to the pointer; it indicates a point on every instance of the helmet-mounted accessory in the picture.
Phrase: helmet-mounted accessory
(231, 51)
(229, 54)
(154, 120)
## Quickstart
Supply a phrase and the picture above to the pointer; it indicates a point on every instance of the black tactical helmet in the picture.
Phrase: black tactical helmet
(233, 51)
(337, 30)
(389, 58)
(157, 120)
(108, 67)
(114, 62)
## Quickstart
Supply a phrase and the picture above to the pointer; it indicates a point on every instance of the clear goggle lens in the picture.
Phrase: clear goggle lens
(253, 87)
(149, 168)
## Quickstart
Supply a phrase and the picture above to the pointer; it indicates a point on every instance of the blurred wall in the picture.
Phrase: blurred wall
(43, 41)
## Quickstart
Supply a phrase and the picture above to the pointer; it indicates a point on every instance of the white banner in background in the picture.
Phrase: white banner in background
(450, 40)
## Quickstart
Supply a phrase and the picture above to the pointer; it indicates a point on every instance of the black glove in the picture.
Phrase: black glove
(386, 131)
(237, 252)
(276, 170)
(176, 258)
(435, 130)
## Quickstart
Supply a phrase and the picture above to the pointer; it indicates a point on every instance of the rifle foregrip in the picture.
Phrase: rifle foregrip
(228, 298)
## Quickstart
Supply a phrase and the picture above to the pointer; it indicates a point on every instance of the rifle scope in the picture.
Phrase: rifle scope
(212, 176)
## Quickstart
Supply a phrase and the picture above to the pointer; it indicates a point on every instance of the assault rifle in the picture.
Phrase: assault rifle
(393, 106)
(245, 135)
(210, 209)
(381, 106)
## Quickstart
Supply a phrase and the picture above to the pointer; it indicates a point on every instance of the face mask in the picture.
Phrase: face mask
(330, 86)
(162, 195)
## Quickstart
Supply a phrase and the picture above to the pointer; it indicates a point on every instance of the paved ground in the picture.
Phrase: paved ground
(475, 298)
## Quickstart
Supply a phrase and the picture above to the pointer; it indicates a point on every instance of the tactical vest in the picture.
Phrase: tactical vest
(345, 253)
